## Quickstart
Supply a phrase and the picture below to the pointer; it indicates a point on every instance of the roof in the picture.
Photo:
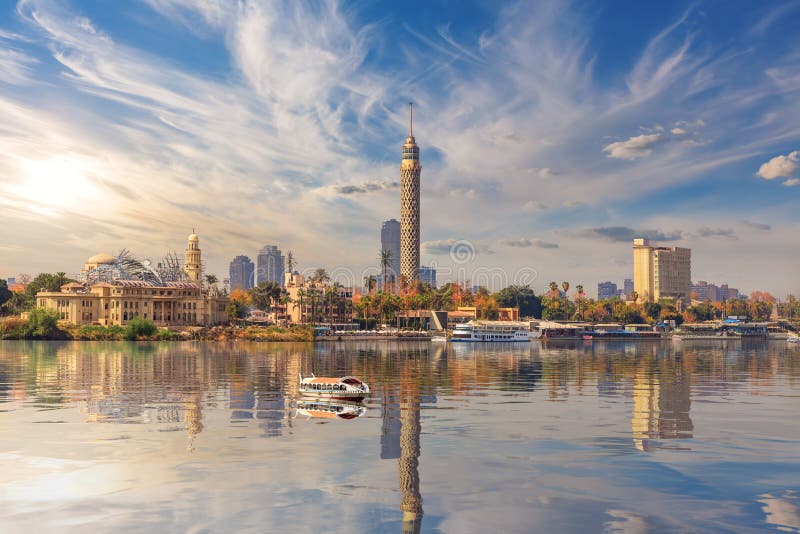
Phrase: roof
(182, 285)
(330, 380)
(101, 259)
(72, 285)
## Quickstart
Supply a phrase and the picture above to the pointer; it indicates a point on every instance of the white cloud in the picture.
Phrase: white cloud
(780, 166)
(791, 182)
(678, 131)
(640, 146)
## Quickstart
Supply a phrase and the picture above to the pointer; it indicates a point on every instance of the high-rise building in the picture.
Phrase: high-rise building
(270, 265)
(606, 290)
(193, 265)
(390, 240)
(661, 272)
(427, 275)
(241, 273)
(410, 171)
(627, 287)
(704, 291)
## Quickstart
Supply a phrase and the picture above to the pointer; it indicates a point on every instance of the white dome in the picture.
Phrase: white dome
(101, 259)
(193, 237)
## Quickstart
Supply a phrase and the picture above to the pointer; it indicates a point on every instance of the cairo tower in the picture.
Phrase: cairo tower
(410, 171)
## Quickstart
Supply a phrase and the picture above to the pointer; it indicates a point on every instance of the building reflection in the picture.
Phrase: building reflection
(408, 463)
(661, 402)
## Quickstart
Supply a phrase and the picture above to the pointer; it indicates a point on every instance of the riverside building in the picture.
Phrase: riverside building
(661, 272)
(116, 290)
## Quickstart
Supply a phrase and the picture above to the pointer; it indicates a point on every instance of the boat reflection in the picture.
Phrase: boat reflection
(330, 409)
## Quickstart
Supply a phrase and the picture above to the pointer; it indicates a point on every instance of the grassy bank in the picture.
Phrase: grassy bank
(45, 325)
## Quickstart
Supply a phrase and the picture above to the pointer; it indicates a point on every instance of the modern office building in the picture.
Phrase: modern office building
(410, 171)
(270, 265)
(390, 240)
(606, 290)
(706, 291)
(427, 275)
(661, 272)
(241, 273)
(627, 288)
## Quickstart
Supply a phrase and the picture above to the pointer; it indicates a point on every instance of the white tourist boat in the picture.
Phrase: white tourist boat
(793, 338)
(345, 388)
(324, 409)
(491, 331)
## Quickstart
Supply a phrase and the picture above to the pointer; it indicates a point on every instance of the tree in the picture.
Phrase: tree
(634, 296)
(652, 309)
(385, 259)
(553, 289)
(5, 293)
(521, 297)
(320, 276)
(579, 299)
(291, 262)
(370, 282)
(565, 287)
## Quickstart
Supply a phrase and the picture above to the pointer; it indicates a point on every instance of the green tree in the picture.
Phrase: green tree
(385, 258)
(291, 262)
(652, 309)
(370, 282)
(140, 327)
(42, 323)
(521, 297)
(5, 293)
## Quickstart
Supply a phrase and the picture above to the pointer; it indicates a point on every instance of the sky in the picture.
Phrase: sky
(551, 133)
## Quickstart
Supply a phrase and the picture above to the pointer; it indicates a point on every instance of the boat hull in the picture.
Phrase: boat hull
(356, 396)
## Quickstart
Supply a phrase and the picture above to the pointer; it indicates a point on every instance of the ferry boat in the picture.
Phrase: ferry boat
(330, 410)
(793, 338)
(630, 331)
(345, 388)
(491, 331)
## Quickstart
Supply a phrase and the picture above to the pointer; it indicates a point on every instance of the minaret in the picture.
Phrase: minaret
(410, 171)
(192, 264)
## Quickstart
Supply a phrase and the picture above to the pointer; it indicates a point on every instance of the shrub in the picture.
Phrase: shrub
(140, 327)
(13, 328)
(42, 323)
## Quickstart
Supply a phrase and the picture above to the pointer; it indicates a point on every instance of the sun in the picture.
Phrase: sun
(53, 184)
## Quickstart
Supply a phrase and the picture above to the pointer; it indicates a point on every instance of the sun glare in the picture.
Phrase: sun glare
(55, 183)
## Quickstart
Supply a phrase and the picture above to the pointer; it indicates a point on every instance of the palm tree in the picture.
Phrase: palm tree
(385, 258)
(370, 282)
(579, 299)
(553, 288)
(321, 276)
(634, 296)
(286, 299)
(291, 263)
(301, 295)
(565, 287)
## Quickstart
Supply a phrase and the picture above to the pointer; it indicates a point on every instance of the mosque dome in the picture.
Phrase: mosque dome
(101, 259)
(193, 237)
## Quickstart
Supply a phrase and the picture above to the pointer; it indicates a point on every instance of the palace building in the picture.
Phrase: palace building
(116, 290)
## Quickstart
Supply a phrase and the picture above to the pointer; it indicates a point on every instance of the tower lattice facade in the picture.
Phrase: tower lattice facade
(193, 265)
(410, 171)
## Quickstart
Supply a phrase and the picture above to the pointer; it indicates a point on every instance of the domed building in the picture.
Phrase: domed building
(116, 290)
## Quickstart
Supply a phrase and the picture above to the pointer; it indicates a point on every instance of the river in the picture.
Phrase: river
(548, 437)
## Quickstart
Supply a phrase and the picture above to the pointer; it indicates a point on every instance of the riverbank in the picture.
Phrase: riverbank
(17, 328)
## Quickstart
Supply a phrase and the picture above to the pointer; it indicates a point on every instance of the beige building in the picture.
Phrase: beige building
(661, 272)
(116, 301)
(310, 302)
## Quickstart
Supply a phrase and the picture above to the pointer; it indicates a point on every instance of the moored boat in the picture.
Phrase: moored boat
(490, 331)
(344, 388)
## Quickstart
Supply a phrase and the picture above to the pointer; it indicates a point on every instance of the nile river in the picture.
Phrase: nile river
(558, 437)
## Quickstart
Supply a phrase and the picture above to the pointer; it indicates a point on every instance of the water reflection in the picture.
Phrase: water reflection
(523, 420)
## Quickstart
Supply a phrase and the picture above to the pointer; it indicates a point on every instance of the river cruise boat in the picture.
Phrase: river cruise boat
(345, 388)
(794, 339)
(491, 331)
(629, 331)
(321, 409)
(723, 330)
(555, 330)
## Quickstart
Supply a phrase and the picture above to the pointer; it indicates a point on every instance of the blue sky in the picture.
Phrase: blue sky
(550, 132)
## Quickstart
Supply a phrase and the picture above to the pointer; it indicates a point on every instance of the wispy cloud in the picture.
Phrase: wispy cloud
(524, 242)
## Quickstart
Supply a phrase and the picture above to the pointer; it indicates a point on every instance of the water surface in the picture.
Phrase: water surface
(567, 437)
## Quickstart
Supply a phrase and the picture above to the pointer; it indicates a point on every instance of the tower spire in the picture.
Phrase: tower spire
(411, 119)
